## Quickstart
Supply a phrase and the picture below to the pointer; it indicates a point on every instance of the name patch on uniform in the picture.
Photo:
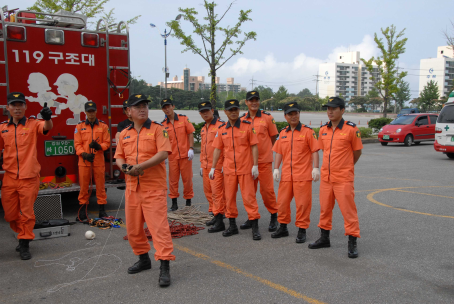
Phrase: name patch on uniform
(83, 129)
(126, 137)
(167, 127)
(202, 131)
(284, 137)
(224, 133)
(4, 131)
(324, 134)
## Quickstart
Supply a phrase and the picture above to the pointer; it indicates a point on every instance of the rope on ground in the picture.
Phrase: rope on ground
(106, 222)
(51, 185)
(189, 215)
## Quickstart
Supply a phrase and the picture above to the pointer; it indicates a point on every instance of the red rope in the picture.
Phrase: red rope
(177, 230)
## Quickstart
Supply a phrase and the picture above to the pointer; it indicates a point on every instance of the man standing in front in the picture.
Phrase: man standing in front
(20, 187)
(341, 144)
(180, 131)
(297, 148)
(213, 188)
(265, 126)
(91, 139)
(238, 141)
(140, 154)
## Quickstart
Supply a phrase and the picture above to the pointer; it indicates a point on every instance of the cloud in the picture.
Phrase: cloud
(296, 74)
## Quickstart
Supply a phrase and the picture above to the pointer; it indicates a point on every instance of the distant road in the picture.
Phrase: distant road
(307, 118)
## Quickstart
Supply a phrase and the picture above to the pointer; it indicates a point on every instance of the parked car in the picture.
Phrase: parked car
(408, 111)
(444, 137)
(408, 129)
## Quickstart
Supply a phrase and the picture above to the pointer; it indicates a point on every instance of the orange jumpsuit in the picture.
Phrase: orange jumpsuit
(21, 180)
(296, 148)
(265, 126)
(236, 142)
(337, 174)
(146, 194)
(84, 134)
(214, 189)
(178, 160)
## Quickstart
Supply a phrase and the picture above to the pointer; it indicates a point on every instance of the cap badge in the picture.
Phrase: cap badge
(16, 95)
(138, 96)
(331, 99)
(203, 104)
(90, 104)
(232, 102)
(252, 93)
(291, 105)
(126, 101)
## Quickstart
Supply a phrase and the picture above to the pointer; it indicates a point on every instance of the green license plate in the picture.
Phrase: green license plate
(452, 138)
(59, 147)
(385, 136)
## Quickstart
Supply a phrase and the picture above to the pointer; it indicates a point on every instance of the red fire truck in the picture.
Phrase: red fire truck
(54, 58)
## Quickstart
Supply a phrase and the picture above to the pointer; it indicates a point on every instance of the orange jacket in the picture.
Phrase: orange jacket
(178, 135)
(84, 134)
(208, 134)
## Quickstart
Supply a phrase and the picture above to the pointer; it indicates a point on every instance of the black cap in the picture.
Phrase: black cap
(290, 107)
(90, 106)
(335, 102)
(231, 103)
(135, 99)
(206, 105)
(252, 94)
(125, 104)
(166, 101)
(15, 97)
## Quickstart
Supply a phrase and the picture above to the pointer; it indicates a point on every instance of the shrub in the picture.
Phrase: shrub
(378, 123)
(198, 128)
(365, 132)
(280, 125)
(361, 110)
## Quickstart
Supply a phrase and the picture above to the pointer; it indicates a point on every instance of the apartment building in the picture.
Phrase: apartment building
(440, 70)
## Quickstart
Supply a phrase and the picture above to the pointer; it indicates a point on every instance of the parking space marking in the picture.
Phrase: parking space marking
(370, 197)
(425, 193)
(268, 283)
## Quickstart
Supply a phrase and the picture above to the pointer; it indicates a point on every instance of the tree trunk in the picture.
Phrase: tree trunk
(213, 92)
(385, 106)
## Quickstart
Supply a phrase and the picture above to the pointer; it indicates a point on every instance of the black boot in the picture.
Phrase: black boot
(352, 248)
(144, 263)
(18, 246)
(233, 228)
(273, 222)
(281, 232)
(188, 202)
(301, 237)
(24, 250)
(164, 275)
(246, 225)
(219, 224)
(211, 222)
(256, 236)
(82, 215)
(174, 205)
(322, 242)
(102, 211)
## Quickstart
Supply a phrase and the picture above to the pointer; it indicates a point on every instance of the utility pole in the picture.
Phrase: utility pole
(252, 83)
(316, 84)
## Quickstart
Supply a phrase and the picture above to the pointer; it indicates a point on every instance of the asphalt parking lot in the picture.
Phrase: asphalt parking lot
(405, 200)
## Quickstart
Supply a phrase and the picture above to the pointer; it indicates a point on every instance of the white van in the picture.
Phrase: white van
(444, 129)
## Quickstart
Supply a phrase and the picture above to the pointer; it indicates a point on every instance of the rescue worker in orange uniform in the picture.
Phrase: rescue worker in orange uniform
(181, 136)
(125, 123)
(213, 188)
(18, 137)
(297, 148)
(238, 141)
(341, 143)
(140, 154)
(91, 139)
(265, 126)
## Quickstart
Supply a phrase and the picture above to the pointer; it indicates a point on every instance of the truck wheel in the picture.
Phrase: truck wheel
(450, 155)
(408, 140)
(384, 143)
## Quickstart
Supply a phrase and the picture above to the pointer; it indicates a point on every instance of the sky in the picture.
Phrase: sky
(293, 37)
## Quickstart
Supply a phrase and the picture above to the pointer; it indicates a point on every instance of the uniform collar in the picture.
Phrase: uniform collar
(237, 124)
(259, 114)
(146, 124)
(213, 122)
(340, 125)
(175, 117)
(298, 127)
(22, 121)
(88, 122)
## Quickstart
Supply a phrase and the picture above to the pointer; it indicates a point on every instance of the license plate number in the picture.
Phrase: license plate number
(59, 147)
(385, 136)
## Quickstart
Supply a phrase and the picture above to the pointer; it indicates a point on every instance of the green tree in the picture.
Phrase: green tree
(208, 32)
(109, 16)
(402, 95)
(265, 92)
(305, 93)
(359, 101)
(281, 93)
(385, 74)
(429, 96)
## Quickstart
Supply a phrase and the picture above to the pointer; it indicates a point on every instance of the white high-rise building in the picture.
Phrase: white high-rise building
(440, 70)
(346, 77)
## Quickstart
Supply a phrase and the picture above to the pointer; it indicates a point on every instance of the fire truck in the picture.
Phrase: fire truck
(55, 58)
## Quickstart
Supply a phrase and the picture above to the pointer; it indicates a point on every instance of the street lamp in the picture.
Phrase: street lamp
(166, 70)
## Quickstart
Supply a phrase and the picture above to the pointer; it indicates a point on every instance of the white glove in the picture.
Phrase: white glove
(190, 154)
(211, 174)
(201, 172)
(255, 172)
(276, 175)
(316, 174)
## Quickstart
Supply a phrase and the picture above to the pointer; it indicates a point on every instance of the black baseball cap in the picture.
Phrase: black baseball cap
(135, 99)
(125, 104)
(290, 107)
(335, 102)
(90, 106)
(252, 94)
(206, 105)
(231, 103)
(15, 97)
(166, 101)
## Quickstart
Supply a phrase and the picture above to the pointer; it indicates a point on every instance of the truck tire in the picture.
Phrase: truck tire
(450, 155)
(408, 140)
(384, 143)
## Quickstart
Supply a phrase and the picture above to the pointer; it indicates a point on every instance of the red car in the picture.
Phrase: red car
(408, 129)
